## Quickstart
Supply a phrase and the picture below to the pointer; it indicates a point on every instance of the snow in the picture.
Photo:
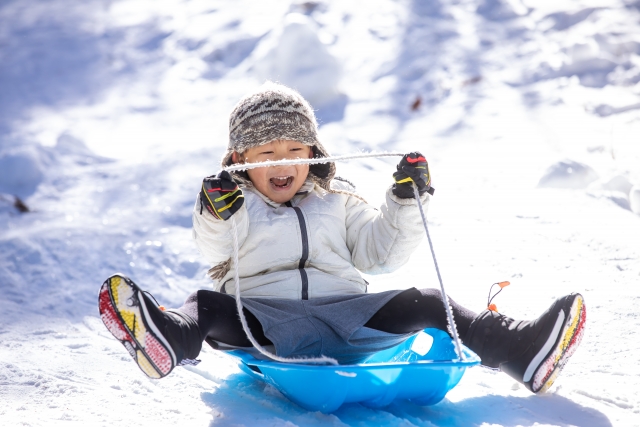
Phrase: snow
(568, 174)
(634, 197)
(111, 112)
(22, 171)
(297, 58)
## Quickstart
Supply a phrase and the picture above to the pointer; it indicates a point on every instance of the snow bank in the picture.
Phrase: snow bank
(600, 51)
(22, 170)
(568, 174)
(499, 10)
(634, 199)
(295, 56)
(619, 183)
(617, 189)
(72, 56)
(68, 144)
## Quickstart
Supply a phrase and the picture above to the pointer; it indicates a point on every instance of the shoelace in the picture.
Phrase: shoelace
(153, 298)
(490, 305)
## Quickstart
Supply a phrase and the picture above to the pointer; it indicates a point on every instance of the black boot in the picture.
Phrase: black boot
(532, 352)
(157, 340)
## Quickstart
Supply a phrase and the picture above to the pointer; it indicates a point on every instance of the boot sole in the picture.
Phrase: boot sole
(564, 346)
(124, 313)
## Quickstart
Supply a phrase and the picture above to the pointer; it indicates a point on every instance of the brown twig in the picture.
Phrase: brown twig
(19, 204)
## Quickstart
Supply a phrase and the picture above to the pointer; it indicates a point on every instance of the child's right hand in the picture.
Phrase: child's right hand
(221, 196)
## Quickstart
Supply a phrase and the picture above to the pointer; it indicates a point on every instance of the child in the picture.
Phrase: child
(304, 236)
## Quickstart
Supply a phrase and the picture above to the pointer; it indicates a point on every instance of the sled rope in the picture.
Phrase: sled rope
(314, 161)
(243, 320)
(445, 298)
(236, 276)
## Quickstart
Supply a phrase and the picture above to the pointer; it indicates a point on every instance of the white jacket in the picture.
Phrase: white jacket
(312, 248)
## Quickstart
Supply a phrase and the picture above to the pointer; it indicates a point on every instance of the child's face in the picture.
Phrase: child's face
(279, 183)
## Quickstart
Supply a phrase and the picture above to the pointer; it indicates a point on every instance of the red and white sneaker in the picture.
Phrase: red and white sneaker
(155, 339)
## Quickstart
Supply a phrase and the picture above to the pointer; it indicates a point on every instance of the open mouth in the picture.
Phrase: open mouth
(281, 182)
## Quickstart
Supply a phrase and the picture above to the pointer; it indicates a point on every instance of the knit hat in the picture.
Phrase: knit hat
(273, 113)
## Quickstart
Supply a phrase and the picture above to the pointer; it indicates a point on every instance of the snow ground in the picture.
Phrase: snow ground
(111, 112)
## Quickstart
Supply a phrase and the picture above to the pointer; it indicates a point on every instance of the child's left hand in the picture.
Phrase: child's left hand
(413, 168)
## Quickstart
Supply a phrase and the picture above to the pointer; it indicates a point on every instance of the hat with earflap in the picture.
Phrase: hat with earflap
(276, 112)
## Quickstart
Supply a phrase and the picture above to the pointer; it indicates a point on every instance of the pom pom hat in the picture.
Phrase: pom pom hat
(275, 112)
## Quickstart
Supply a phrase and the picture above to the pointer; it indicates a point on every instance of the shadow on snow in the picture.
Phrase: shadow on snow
(242, 400)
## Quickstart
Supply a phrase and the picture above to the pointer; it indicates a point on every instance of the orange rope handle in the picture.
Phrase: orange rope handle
(501, 285)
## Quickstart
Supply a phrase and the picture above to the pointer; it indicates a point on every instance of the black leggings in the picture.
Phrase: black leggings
(410, 311)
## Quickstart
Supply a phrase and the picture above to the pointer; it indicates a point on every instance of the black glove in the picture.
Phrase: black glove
(221, 196)
(412, 168)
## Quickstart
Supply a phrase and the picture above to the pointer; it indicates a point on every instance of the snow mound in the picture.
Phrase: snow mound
(67, 144)
(501, 10)
(22, 171)
(634, 199)
(618, 183)
(568, 174)
(296, 57)
(615, 189)
(227, 56)
(605, 110)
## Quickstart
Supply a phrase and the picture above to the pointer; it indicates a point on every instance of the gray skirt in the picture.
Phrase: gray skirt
(330, 326)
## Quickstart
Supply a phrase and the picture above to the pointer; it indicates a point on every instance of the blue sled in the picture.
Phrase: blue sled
(422, 370)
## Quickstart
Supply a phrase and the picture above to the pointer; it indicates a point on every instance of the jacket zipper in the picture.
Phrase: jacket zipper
(305, 250)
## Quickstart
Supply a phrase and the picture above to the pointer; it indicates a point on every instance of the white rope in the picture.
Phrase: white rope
(243, 320)
(445, 298)
(289, 162)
